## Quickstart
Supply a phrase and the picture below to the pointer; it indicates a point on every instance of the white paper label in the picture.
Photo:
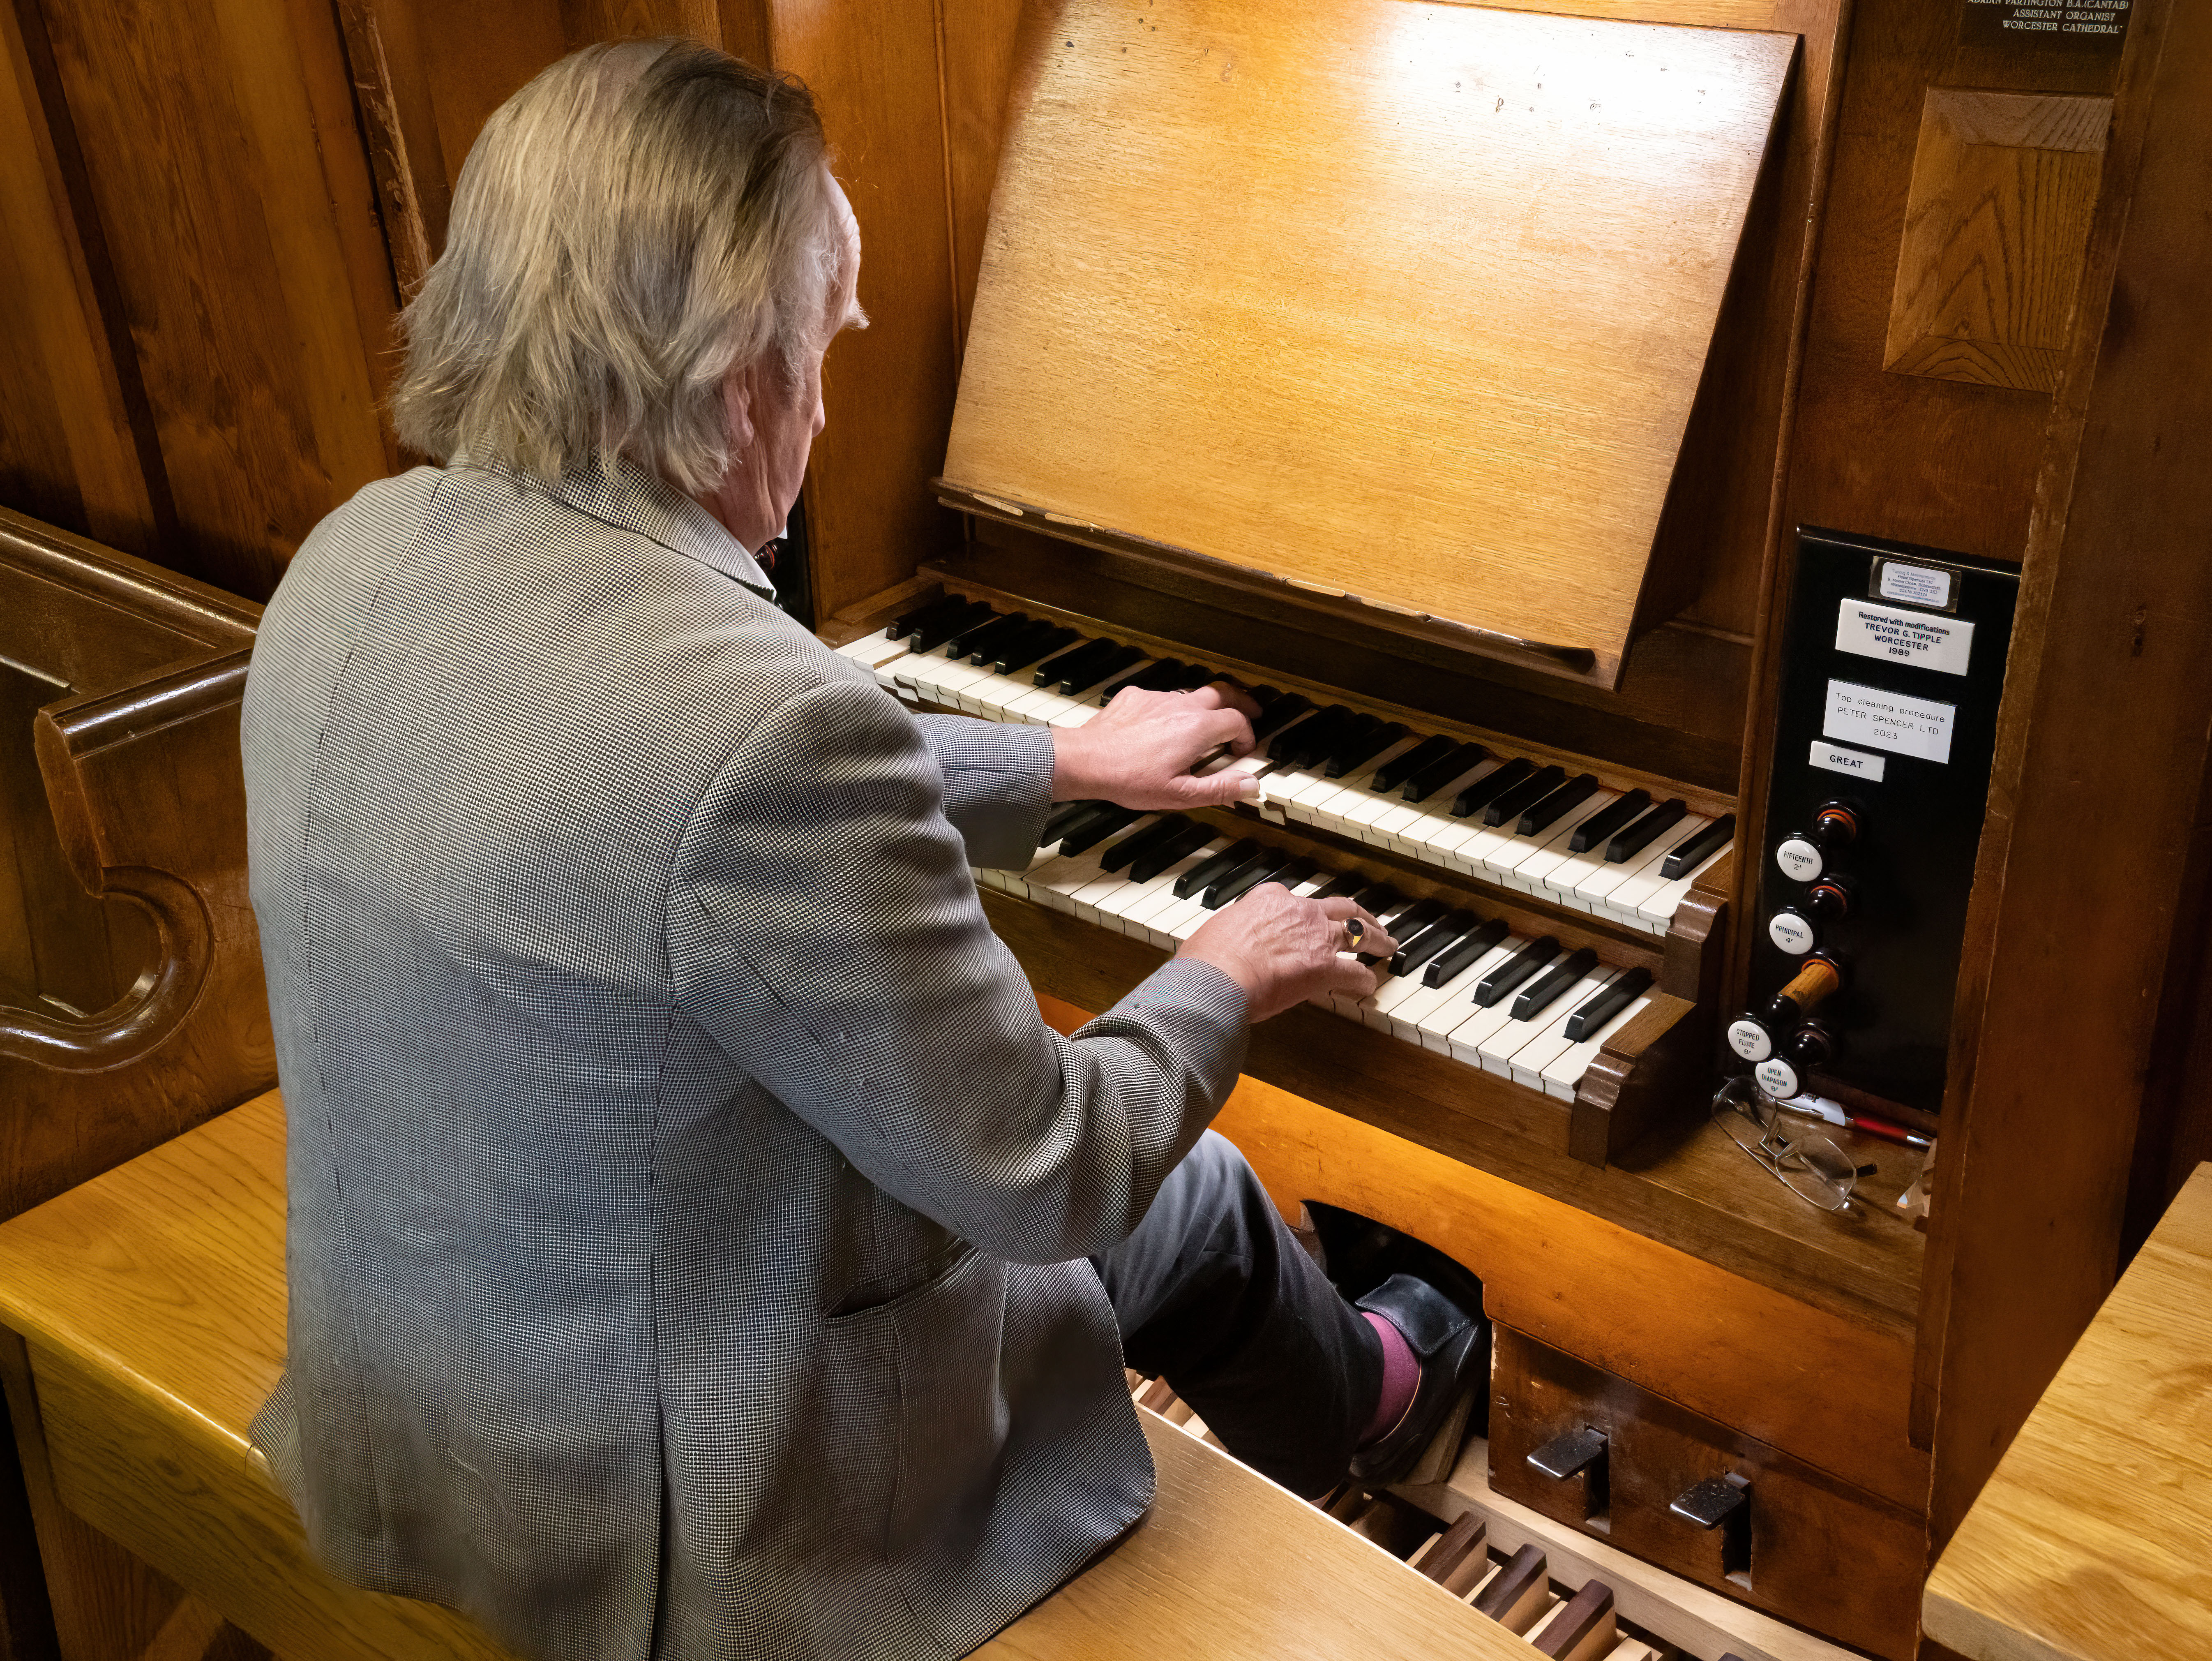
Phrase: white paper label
(1836, 759)
(1943, 644)
(1895, 721)
(1917, 584)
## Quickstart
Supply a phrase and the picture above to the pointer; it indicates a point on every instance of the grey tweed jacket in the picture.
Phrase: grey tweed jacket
(689, 1208)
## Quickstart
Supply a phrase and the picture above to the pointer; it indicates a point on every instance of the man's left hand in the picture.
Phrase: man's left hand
(1139, 750)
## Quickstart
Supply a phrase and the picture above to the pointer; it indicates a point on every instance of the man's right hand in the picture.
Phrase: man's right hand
(1283, 950)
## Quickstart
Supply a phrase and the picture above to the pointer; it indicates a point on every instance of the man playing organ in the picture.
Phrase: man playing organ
(698, 1243)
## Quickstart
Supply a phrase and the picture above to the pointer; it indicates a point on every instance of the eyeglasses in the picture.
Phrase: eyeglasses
(1811, 1167)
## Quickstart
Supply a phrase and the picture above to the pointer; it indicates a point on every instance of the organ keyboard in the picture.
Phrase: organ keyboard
(1459, 820)
(1605, 846)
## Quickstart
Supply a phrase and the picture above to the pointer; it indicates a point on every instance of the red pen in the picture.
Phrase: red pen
(1821, 1108)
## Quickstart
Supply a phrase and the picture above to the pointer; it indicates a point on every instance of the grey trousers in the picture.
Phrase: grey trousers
(1215, 1292)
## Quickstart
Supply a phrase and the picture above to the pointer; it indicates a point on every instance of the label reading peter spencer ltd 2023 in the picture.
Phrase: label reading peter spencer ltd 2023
(1902, 725)
(1897, 635)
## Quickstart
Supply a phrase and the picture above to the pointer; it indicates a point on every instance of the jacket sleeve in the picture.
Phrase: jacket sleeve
(997, 784)
(824, 930)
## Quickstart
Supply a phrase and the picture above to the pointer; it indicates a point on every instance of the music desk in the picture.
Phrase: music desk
(2093, 1539)
(144, 1323)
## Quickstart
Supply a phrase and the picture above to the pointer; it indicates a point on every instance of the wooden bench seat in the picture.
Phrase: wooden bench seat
(149, 1311)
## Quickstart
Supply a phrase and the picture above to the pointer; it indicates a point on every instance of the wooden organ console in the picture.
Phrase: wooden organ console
(1443, 375)
(1526, 406)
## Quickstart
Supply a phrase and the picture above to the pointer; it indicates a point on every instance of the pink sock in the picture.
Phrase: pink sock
(1401, 1377)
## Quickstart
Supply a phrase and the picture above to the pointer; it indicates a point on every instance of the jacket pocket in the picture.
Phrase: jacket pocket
(940, 1344)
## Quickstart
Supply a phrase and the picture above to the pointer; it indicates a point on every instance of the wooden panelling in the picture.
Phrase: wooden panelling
(1998, 220)
(223, 160)
(1838, 1561)
(887, 389)
(2066, 943)
(1924, 461)
(977, 42)
(2089, 1542)
(1719, 1345)
(76, 444)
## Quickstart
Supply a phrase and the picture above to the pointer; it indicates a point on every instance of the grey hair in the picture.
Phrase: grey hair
(640, 219)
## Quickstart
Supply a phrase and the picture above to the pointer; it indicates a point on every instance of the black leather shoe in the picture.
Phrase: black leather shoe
(1454, 1349)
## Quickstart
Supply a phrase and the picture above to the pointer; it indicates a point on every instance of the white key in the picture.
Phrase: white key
(990, 698)
(1593, 892)
(1423, 830)
(1548, 848)
(1054, 884)
(1086, 898)
(1657, 909)
(1356, 790)
(1438, 1026)
(938, 678)
(872, 652)
(1379, 1011)
(1638, 901)
(1141, 916)
(1505, 1040)
(1563, 1072)
(1530, 1059)
(1407, 1016)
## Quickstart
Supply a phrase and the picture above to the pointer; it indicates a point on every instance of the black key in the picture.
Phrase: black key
(1376, 899)
(1515, 969)
(1164, 676)
(1610, 999)
(1072, 661)
(1553, 983)
(1391, 775)
(965, 642)
(1437, 774)
(1280, 714)
(1348, 740)
(1448, 930)
(1198, 675)
(1246, 877)
(1309, 740)
(1639, 836)
(981, 640)
(1045, 640)
(1126, 851)
(1490, 785)
(1408, 925)
(1699, 848)
(1350, 758)
(1067, 813)
(1343, 887)
(922, 616)
(1606, 820)
(1297, 873)
(1078, 683)
(1458, 958)
(1524, 796)
(931, 636)
(1564, 800)
(1203, 875)
(1088, 835)
(1022, 627)
(1175, 849)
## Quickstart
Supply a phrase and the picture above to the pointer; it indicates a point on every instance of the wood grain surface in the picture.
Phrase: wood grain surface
(2093, 1539)
(1995, 234)
(1272, 284)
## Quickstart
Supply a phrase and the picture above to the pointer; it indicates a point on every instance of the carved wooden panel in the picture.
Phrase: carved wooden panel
(1995, 234)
